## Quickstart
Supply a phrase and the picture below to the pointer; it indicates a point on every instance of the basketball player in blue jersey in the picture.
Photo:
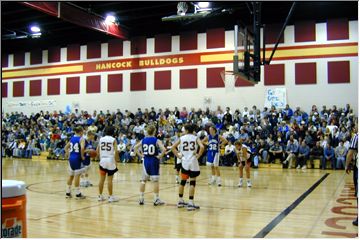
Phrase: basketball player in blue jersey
(213, 142)
(75, 150)
(150, 146)
(89, 145)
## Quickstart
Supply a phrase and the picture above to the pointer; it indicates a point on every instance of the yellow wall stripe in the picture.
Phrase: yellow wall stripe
(304, 52)
(286, 53)
(42, 71)
(282, 53)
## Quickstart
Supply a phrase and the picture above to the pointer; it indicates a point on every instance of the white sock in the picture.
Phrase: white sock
(77, 190)
(141, 195)
(68, 189)
(219, 179)
(156, 196)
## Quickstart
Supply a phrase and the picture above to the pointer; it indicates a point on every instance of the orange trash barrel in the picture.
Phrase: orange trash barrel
(13, 217)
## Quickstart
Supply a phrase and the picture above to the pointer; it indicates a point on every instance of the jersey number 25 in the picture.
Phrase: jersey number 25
(105, 146)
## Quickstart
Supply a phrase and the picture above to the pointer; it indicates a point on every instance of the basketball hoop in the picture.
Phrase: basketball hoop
(229, 79)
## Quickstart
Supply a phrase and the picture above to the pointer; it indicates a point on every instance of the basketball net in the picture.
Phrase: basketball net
(229, 79)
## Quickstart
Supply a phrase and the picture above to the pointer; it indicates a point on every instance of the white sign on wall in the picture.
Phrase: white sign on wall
(275, 97)
(32, 104)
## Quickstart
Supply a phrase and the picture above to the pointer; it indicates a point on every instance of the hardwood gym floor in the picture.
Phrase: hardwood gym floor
(291, 203)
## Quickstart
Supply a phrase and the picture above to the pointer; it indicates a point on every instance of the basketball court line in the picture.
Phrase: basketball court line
(325, 207)
(87, 207)
(127, 199)
(268, 228)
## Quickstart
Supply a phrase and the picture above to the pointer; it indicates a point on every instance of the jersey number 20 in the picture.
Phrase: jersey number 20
(149, 149)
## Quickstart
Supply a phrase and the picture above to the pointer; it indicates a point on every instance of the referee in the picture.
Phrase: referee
(353, 154)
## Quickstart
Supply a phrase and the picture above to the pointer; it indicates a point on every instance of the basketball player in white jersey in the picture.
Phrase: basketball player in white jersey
(107, 151)
(188, 145)
(243, 155)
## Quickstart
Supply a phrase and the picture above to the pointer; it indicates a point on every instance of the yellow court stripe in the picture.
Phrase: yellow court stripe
(280, 53)
(42, 71)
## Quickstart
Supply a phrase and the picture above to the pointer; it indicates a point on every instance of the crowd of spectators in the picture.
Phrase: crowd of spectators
(291, 135)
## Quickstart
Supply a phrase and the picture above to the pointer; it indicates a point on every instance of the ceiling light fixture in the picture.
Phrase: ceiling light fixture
(203, 4)
(110, 19)
(35, 29)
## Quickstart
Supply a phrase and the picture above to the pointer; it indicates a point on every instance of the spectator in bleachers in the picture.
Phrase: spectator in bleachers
(304, 153)
(316, 152)
(45, 127)
(276, 151)
(243, 134)
(340, 155)
(263, 149)
(287, 113)
(329, 155)
(283, 128)
(308, 139)
(59, 150)
(10, 148)
(229, 158)
(19, 151)
(183, 114)
(121, 150)
(292, 132)
(51, 149)
(42, 142)
(270, 140)
(347, 143)
(168, 154)
(292, 149)
(29, 148)
(227, 117)
(245, 113)
(323, 141)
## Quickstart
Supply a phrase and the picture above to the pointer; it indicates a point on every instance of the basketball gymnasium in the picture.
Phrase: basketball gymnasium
(168, 119)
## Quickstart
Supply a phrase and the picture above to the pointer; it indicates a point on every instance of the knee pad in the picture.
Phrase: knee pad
(183, 182)
(154, 178)
(193, 183)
